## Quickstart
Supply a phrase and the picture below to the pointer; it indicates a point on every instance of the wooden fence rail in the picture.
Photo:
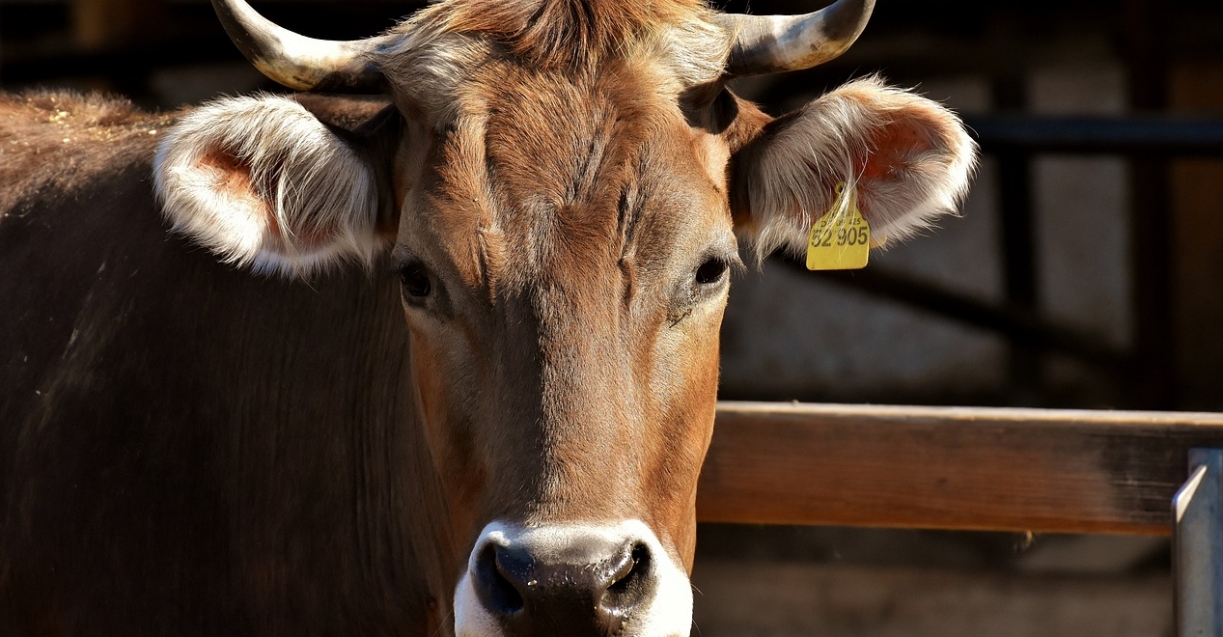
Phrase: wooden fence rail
(950, 467)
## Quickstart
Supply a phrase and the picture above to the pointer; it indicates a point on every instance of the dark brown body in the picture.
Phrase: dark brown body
(511, 447)
(182, 445)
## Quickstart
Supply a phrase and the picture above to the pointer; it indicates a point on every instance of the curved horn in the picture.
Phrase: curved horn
(299, 62)
(775, 43)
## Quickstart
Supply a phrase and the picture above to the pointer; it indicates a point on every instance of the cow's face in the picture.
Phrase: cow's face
(565, 249)
(562, 210)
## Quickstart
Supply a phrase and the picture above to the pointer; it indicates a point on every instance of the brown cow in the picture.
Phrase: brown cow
(551, 199)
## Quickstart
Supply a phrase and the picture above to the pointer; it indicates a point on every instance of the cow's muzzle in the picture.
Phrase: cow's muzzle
(571, 580)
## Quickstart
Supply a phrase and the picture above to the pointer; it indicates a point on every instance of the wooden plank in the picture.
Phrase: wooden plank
(950, 467)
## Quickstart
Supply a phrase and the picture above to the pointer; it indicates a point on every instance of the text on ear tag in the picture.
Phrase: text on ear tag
(841, 239)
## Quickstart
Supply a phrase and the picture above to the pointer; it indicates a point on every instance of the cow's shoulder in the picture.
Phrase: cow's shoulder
(53, 116)
(55, 143)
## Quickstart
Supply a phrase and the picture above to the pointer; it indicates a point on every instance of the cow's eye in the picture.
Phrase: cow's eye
(706, 283)
(415, 281)
(712, 271)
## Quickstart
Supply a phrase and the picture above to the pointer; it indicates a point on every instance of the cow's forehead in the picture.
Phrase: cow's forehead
(541, 174)
(446, 45)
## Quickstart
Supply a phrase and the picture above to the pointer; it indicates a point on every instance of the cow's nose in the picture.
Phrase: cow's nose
(583, 587)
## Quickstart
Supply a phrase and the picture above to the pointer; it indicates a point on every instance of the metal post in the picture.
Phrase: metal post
(1019, 246)
(1197, 546)
(1145, 28)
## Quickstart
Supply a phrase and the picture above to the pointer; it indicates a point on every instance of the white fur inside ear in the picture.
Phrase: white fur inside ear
(262, 183)
(790, 177)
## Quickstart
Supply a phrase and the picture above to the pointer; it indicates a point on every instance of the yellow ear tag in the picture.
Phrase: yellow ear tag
(841, 239)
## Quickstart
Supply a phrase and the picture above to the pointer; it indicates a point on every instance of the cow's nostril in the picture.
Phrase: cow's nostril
(493, 583)
(630, 582)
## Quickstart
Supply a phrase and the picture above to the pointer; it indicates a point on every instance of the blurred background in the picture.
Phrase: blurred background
(1086, 271)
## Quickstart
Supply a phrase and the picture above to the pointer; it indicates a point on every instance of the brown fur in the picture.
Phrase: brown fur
(566, 35)
(190, 450)
(47, 139)
(551, 229)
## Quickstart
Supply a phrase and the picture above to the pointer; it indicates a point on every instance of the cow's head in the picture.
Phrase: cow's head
(563, 186)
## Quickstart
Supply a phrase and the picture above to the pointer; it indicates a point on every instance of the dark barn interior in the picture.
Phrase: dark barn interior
(1084, 273)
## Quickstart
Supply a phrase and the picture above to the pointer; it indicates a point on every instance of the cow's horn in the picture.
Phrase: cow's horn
(774, 43)
(299, 62)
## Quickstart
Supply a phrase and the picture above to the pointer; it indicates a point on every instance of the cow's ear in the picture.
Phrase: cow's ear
(262, 182)
(910, 158)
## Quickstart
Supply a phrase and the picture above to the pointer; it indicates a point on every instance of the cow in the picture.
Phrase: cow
(439, 362)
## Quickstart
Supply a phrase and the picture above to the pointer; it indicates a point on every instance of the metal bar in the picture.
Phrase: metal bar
(1150, 273)
(1197, 546)
(1017, 243)
(1144, 38)
(1130, 135)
